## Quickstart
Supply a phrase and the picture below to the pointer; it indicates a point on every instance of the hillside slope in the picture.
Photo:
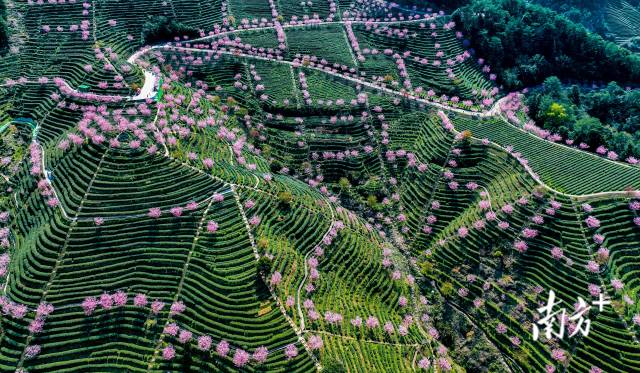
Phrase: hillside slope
(302, 187)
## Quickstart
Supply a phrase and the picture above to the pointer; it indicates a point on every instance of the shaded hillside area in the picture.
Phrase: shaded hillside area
(527, 43)
(615, 20)
(4, 30)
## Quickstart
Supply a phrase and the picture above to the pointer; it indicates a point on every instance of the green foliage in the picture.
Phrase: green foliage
(372, 202)
(530, 42)
(590, 130)
(265, 265)
(552, 109)
(263, 243)
(331, 365)
(556, 114)
(608, 117)
(344, 183)
(218, 269)
(522, 357)
(285, 198)
(446, 289)
(4, 30)
(441, 4)
(615, 106)
(553, 87)
(568, 175)
(589, 13)
(426, 268)
(275, 166)
(159, 29)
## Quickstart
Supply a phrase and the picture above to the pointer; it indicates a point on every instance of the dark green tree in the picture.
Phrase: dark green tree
(553, 87)
(4, 30)
(590, 130)
(158, 29)
(264, 265)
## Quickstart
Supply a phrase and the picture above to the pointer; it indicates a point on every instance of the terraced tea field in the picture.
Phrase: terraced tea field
(299, 186)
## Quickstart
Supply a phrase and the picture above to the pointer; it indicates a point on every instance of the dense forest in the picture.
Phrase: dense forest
(159, 29)
(527, 43)
(609, 117)
(4, 30)
(589, 13)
